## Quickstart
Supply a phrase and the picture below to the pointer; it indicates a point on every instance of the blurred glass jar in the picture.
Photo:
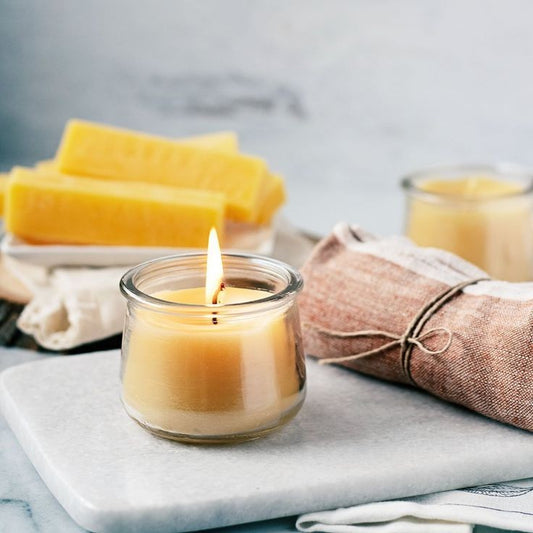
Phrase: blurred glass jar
(481, 213)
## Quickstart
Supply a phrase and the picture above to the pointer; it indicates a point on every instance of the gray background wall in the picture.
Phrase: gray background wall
(342, 97)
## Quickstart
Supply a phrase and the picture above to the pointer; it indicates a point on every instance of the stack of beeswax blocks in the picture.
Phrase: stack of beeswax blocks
(118, 187)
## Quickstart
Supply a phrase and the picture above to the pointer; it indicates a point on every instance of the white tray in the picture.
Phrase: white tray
(239, 237)
(355, 440)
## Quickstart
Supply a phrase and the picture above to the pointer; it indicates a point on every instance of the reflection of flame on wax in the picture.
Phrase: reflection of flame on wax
(215, 272)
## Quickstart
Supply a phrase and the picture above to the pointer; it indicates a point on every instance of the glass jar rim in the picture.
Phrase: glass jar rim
(293, 285)
(509, 171)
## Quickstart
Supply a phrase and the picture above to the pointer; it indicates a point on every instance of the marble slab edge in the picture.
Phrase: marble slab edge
(318, 493)
(80, 510)
(175, 519)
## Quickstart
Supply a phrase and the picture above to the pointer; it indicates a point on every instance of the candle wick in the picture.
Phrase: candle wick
(216, 300)
(216, 294)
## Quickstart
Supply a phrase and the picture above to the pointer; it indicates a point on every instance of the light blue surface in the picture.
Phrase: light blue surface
(342, 98)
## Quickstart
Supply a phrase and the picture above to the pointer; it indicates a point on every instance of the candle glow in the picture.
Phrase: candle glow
(214, 272)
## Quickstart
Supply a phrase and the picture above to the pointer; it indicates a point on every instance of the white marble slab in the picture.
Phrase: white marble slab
(356, 440)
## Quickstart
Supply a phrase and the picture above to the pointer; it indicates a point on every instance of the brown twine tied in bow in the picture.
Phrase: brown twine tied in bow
(410, 338)
(398, 340)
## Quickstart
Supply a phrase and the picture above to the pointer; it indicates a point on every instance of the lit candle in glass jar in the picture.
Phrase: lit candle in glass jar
(212, 361)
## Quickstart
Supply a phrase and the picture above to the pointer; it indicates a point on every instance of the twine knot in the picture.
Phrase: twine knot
(413, 335)
(397, 340)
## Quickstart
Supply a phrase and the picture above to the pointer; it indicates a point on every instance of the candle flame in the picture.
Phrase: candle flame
(215, 271)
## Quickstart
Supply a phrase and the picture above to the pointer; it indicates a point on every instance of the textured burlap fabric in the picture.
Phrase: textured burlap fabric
(475, 349)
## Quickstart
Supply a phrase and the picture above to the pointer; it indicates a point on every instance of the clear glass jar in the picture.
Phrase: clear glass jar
(202, 373)
(481, 213)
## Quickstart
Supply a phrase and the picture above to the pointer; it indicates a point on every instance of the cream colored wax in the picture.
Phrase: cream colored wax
(187, 375)
(484, 220)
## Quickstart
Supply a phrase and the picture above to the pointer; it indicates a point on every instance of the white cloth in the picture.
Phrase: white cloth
(70, 306)
(433, 263)
(504, 505)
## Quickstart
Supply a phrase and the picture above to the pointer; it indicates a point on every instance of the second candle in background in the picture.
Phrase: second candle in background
(481, 213)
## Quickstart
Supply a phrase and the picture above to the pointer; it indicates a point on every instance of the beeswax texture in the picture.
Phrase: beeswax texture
(224, 141)
(46, 165)
(53, 208)
(274, 197)
(111, 153)
(3, 184)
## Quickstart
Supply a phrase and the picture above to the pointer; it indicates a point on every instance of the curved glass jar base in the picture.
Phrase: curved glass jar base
(229, 438)
(198, 372)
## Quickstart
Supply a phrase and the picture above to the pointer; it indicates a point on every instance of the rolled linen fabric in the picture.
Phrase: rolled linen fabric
(424, 317)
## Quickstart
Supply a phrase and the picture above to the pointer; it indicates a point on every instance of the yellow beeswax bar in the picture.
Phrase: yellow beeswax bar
(274, 197)
(46, 165)
(54, 208)
(105, 152)
(223, 141)
(3, 184)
